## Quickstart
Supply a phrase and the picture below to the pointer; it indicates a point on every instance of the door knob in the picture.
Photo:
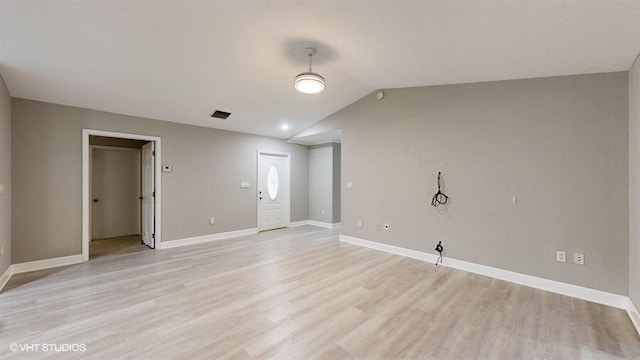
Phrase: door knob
(95, 200)
(140, 197)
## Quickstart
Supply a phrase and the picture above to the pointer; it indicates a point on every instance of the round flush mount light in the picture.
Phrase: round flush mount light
(309, 82)
(284, 127)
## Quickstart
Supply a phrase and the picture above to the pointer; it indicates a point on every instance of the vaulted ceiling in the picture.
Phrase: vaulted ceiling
(179, 60)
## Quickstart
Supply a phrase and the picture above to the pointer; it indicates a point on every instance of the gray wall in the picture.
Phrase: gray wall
(321, 183)
(324, 183)
(336, 179)
(208, 165)
(634, 183)
(558, 144)
(5, 177)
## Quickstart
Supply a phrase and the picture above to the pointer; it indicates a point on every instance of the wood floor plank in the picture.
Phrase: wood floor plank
(295, 294)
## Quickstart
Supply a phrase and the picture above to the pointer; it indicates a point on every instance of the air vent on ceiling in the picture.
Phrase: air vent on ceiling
(220, 114)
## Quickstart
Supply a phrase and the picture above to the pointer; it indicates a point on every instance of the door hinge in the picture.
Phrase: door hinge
(153, 236)
(153, 153)
(154, 194)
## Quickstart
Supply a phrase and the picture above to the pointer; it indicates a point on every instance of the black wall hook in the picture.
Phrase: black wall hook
(439, 248)
(439, 198)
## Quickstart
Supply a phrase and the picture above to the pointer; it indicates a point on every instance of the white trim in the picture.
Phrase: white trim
(287, 190)
(113, 148)
(633, 313)
(86, 228)
(4, 279)
(324, 224)
(207, 238)
(314, 143)
(46, 263)
(584, 293)
(299, 223)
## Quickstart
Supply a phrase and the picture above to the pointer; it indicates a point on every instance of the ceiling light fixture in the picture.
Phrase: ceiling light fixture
(284, 127)
(309, 82)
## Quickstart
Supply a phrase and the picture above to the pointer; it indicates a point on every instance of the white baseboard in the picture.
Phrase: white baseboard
(46, 264)
(4, 279)
(632, 310)
(206, 238)
(584, 293)
(324, 224)
(299, 223)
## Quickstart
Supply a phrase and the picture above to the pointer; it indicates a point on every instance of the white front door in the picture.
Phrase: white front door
(148, 195)
(273, 190)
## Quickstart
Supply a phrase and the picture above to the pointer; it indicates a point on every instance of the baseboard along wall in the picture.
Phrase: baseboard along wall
(579, 292)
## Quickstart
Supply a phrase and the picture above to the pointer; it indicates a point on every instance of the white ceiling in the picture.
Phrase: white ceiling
(178, 60)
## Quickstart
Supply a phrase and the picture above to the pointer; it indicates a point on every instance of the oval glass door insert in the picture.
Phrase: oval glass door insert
(272, 182)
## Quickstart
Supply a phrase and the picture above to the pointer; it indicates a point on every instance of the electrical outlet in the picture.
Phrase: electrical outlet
(360, 224)
(387, 227)
(578, 259)
(561, 256)
(212, 220)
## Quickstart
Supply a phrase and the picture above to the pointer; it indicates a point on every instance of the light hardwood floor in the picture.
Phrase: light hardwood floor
(116, 246)
(298, 294)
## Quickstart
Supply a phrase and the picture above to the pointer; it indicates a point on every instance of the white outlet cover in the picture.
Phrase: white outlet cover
(349, 185)
(578, 259)
(360, 223)
(387, 227)
(244, 185)
(166, 168)
(212, 220)
(561, 256)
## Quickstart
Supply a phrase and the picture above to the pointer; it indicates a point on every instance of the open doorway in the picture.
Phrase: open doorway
(121, 193)
(116, 195)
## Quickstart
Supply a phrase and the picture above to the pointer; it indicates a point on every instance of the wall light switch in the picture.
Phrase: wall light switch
(212, 220)
(349, 185)
(244, 185)
(561, 256)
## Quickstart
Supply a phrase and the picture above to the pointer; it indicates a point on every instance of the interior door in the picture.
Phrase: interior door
(148, 194)
(273, 191)
(115, 188)
(94, 213)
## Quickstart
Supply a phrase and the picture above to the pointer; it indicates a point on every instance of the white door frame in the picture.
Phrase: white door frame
(86, 226)
(287, 189)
